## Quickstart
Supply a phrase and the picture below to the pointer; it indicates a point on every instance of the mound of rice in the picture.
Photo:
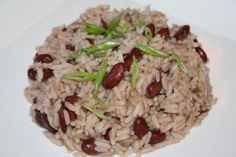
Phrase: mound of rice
(134, 122)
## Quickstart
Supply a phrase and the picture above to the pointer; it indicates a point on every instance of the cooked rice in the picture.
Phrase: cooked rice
(182, 105)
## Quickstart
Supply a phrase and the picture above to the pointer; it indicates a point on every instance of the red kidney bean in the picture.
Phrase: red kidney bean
(104, 24)
(114, 77)
(157, 137)
(47, 73)
(88, 146)
(32, 73)
(151, 26)
(73, 116)
(128, 58)
(107, 136)
(62, 123)
(140, 127)
(153, 89)
(164, 33)
(43, 58)
(182, 33)
(42, 121)
(202, 54)
(72, 99)
(70, 47)
(90, 40)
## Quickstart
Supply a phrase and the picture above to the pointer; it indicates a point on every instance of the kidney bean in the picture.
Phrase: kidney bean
(107, 136)
(157, 137)
(72, 99)
(202, 54)
(42, 121)
(128, 58)
(90, 40)
(140, 127)
(43, 58)
(151, 26)
(73, 116)
(47, 73)
(182, 33)
(114, 77)
(104, 24)
(153, 89)
(164, 33)
(32, 73)
(70, 47)
(88, 146)
(62, 123)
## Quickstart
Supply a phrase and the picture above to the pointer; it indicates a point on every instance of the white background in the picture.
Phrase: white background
(25, 24)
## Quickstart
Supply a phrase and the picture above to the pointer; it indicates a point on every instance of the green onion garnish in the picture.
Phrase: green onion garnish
(76, 54)
(140, 24)
(100, 76)
(79, 76)
(148, 33)
(134, 72)
(150, 50)
(94, 111)
(99, 54)
(94, 29)
(179, 62)
(125, 28)
(101, 46)
(100, 102)
(114, 23)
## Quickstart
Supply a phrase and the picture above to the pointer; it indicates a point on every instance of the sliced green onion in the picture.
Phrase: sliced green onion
(125, 28)
(76, 54)
(79, 76)
(94, 29)
(117, 34)
(100, 102)
(100, 76)
(134, 76)
(114, 23)
(101, 46)
(99, 54)
(148, 33)
(94, 111)
(140, 24)
(150, 50)
(179, 62)
(108, 36)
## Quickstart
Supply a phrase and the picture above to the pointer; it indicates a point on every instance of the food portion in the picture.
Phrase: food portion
(119, 82)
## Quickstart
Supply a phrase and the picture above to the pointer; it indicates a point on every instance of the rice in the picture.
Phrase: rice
(182, 102)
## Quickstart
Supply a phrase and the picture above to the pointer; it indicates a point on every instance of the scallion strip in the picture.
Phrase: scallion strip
(134, 72)
(94, 29)
(94, 111)
(150, 50)
(79, 76)
(100, 76)
(100, 102)
(148, 33)
(114, 23)
(179, 62)
(99, 54)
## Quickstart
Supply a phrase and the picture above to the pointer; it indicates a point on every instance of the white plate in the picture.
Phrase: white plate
(215, 137)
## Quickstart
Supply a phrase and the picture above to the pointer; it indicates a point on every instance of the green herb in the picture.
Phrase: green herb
(148, 33)
(140, 24)
(117, 34)
(125, 28)
(179, 62)
(79, 76)
(150, 50)
(99, 54)
(108, 35)
(134, 76)
(76, 54)
(101, 46)
(94, 111)
(94, 29)
(100, 76)
(114, 23)
(100, 102)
